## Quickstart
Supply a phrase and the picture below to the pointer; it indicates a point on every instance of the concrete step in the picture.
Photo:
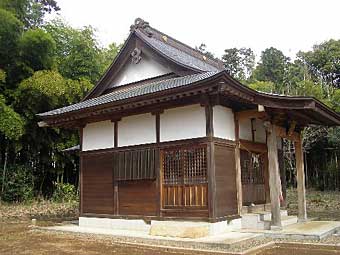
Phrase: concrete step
(288, 220)
(262, 220)
(266, 215)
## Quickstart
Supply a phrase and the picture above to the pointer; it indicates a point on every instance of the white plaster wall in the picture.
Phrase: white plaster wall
(145, 69)
(246, 134)
(260, 134)
(98, 135)
(182, 123)
(137, 129)
(245, 129)
(224, 125)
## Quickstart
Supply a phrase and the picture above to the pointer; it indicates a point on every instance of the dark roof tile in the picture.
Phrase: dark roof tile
(131, 91)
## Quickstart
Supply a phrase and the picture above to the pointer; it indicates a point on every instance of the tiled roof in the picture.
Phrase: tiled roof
(126, 92)
(177, 55)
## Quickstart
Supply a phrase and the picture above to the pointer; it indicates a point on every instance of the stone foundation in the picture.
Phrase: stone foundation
(183, 229)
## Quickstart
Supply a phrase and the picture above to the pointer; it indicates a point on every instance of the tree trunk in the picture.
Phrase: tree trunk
(4, 172)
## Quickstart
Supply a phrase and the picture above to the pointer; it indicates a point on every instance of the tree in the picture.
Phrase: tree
(272, 67)
(203, 48)
(30, 12)
(77, 51)
(37, 49)
(239, 62)
(10, 32)
(323, 62)
(11, 129)
(108, 55)
(263, 86)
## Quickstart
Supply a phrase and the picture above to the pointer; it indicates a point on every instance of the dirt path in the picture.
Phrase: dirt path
(20, 238)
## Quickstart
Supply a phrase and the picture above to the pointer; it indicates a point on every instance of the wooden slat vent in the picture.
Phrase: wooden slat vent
(135, 164)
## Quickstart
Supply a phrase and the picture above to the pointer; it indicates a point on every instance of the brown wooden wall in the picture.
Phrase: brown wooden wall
(97, 184)
(225, 172)
(101, 194)
(137, 198)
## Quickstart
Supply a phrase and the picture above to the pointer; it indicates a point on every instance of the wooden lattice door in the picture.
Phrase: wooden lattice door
(184, 178)
(253, 171)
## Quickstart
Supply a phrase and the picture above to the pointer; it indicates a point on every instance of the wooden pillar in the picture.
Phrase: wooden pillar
(211, 160)
(301, 189)
(274, 174)
(81, 170)
(238, 166)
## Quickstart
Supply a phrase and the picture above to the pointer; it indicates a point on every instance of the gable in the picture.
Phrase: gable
(145, 68)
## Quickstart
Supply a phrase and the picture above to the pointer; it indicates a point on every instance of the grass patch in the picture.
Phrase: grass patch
(323, 205)
(39, 209)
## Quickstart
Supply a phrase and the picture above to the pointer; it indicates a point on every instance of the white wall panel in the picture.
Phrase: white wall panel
(246, 133)
(245, 129)
(145, 69)
(137, 129)
(260, 134)
(98, 135)
(182, 123)
(224, 125)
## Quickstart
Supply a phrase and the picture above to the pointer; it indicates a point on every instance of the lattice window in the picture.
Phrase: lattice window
(185, 182)
(185, 165)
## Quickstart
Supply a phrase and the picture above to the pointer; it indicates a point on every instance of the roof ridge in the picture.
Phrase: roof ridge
(144, 27)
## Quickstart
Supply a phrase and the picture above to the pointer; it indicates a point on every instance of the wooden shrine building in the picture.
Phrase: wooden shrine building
(167, 133)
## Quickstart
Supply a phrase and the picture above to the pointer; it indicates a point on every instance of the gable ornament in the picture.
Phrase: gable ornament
(136, 56)
(142, 25)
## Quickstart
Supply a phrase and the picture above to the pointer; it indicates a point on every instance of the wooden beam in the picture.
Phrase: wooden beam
(158, 128)
(282, 132)
(81, 192)
(209, 120)
(274, 174)
(291, 128)
(115, 138)
(301, 189)
(238, 167)
(248, 114)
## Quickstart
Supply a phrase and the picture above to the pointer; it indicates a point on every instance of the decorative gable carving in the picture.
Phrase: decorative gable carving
(143, 25)
(136, 55)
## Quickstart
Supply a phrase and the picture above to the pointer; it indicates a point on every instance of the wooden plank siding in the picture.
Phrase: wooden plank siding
(97, 184)
(142, 192)
(225, 176)
(137, 197)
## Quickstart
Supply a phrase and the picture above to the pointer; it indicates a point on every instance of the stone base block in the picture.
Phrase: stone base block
(119, 224)
(192, 229)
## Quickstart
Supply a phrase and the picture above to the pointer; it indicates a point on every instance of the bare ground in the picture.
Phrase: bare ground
(17, 236)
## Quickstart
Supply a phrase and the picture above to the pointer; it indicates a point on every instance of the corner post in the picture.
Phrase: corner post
(238, 166)
(301, 189)
(274, 174)
(210, 157)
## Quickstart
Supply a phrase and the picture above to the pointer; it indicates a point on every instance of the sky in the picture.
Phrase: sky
(289, 25)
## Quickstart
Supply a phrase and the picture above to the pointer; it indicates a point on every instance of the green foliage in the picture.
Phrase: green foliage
(272, 67)
(37, 49)
(323, 61)
(30, 12)
(309, 88)
(77, 52)
(108, 55)
(2, 76)
(64, 192)
(10, 32)
(19, 184)
(263, 86)
(11, 123)
(49, 89)
(239, 62)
